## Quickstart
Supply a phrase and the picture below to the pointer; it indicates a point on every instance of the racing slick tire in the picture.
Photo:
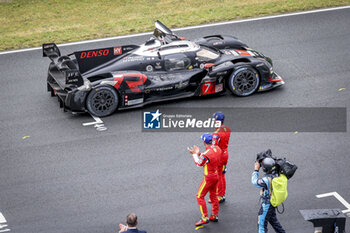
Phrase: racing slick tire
(102, 101)
(244, 81)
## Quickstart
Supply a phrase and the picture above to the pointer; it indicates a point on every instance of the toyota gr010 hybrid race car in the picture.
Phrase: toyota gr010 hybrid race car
(166, 67)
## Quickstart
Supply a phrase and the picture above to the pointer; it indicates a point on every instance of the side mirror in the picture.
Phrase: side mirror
(209, 66)
(159, 55)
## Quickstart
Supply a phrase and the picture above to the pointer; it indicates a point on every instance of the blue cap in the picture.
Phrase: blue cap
(207, 138)
(219, 116)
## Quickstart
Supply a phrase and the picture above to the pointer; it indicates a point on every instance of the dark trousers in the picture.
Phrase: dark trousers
(267, 213)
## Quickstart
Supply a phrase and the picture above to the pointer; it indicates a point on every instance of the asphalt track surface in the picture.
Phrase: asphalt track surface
(68, 178)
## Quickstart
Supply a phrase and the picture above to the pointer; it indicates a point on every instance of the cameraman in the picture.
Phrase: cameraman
(267, 212)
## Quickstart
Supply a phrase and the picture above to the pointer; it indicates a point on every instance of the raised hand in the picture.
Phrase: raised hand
(123, 228)
(196, 149)
(191, 150)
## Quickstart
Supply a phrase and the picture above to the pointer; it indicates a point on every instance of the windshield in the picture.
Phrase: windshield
(206, 54)
(176, 62)
(163, 34)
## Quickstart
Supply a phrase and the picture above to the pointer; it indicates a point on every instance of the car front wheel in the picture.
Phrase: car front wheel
(244, 81)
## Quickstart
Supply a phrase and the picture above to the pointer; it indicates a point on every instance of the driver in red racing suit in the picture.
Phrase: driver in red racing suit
(209, 161)
(221, 138)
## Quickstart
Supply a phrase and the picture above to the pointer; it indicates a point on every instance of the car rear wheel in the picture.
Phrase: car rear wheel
(102, 101)
(244, 81)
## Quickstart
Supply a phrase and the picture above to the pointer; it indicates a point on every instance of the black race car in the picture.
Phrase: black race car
(166, 67)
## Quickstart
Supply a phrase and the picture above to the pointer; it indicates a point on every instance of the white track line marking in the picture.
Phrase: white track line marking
(183, 29)
(5, 230)
(2, 218)
(98, 124)
(97, 121)
(340, 198)
(2, 226)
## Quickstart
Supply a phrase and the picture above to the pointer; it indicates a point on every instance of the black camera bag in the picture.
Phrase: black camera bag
(286, 167)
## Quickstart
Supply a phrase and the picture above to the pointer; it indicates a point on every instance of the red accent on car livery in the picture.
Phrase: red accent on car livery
(134, 85)
(208, 65)
(276, 80)
(243, 53)
(208, 88)
(119, 79)
(94, 53)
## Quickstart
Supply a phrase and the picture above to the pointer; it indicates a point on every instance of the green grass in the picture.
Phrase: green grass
(28, 23)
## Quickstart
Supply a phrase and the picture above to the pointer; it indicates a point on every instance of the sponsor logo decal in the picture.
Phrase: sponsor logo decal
(133, 58)
(149, 68)
(219, 87)
(133, 102)
(72, 74)
(181, 84)
(158, 66)
(118, 50)
(222, 73)
(73, 77)
(128, 48)
(96, 53)
(162, 88)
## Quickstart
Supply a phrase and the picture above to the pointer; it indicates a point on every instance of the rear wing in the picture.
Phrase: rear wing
(51, 50)
(69, 71)
(63, 69)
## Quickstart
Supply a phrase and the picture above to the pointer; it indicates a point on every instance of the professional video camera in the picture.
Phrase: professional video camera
(283, 166)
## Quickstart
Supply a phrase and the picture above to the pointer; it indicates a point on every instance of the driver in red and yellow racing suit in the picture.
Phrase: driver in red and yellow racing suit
(221, 138)
(209, 161)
